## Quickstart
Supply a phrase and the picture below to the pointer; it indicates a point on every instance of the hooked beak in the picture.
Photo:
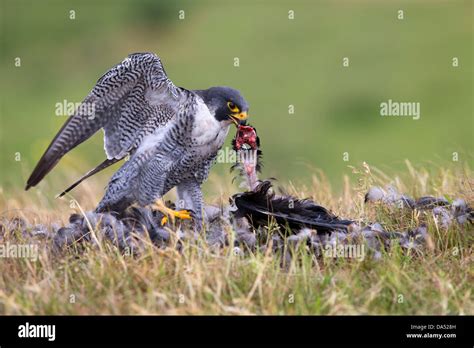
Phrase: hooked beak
(238, 118)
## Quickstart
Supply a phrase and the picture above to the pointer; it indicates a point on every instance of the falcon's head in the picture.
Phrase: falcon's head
(227, 104)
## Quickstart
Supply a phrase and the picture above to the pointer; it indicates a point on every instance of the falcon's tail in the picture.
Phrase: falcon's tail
(100, 167)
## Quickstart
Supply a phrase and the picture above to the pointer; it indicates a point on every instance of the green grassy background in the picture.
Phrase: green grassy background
(282, 62)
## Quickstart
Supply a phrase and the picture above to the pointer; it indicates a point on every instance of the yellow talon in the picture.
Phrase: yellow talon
(183, 214)
(170, 213)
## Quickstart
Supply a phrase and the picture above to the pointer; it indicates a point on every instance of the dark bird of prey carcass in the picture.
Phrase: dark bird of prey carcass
(260, 204)
(171, 135)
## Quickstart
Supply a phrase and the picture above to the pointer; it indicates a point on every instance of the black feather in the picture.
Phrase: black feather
(261, 205)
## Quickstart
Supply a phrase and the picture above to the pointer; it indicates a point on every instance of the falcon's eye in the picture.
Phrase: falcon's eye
(232, 107)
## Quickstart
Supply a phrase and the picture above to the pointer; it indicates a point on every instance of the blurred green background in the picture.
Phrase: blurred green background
(282, 62)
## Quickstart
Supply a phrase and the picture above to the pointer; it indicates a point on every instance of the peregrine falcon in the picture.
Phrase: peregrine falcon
(170, 135)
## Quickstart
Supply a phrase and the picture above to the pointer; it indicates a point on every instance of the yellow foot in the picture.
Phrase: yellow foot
(171, 214)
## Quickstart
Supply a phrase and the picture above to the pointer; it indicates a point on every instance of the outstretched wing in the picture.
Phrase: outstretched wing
(130, 101)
